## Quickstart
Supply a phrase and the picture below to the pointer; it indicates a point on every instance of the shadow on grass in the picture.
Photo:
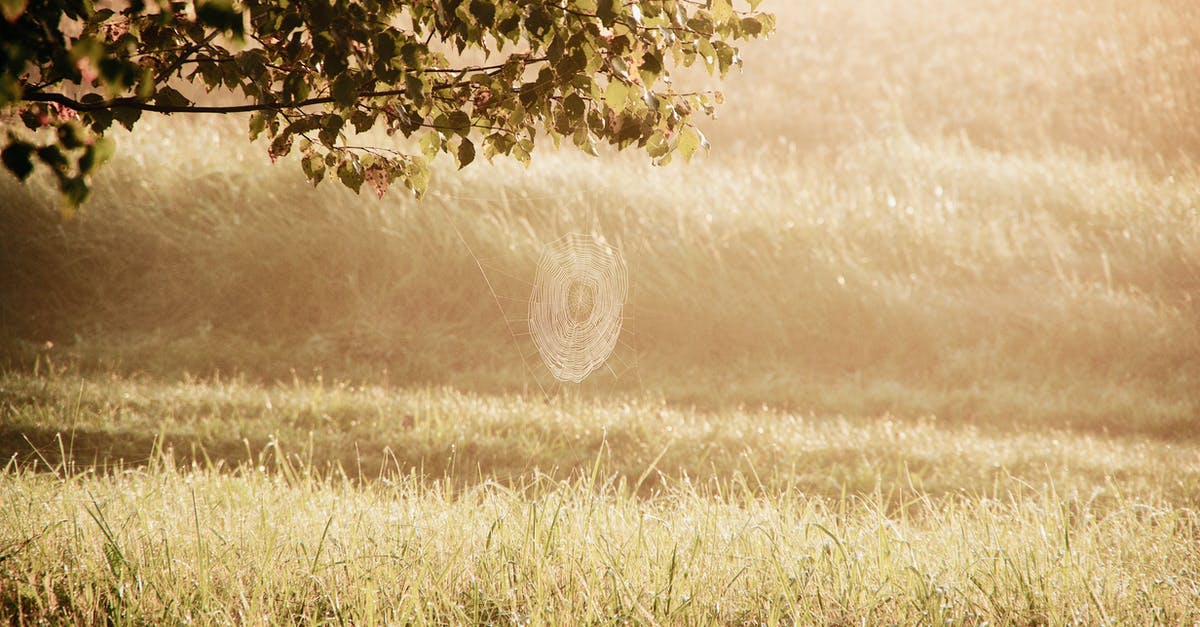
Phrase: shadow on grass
(896, 478)
(83, 450)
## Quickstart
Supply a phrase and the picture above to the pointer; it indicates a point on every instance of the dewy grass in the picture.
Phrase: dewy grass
(157, 544)
(468, 438)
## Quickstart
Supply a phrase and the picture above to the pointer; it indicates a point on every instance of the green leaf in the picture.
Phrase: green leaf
(751, 27)
(416, 176)
(12, 9)
(145, 85)
(104, 149)
(52, 156)
(331, 126)
(16, 157)
(484, 11)
(521, 154)
(99, 120)
(258, 123)
(314, 168)
(691, 139)
(616, 94)
(651, 99)
(606, 10)
(75, 190)
(70, 136)
(351, 175)
(657, 146)
(722, 10)
(459, 122)
(345, 90)
(221, 15)
(87, 161)
(466, 153)
(701, 24)
(170, 97)
(414, 88)
(498, 143)
(127, 116)
(574, 106)
(619, 67)
(539, 21)
(362, 120)
(280, 146)
(431, 144)
(11, 89)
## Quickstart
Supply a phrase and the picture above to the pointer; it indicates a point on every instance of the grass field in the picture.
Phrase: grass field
(248, 503)
(919, 342)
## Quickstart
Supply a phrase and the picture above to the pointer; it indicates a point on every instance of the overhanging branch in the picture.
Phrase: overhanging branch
(134, 103)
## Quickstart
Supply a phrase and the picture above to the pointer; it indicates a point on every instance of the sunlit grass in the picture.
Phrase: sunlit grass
(915, 277)
(917, 343)
(467, 437)
(618, 511)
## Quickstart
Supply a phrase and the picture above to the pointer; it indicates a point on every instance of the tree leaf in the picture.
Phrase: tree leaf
(104, 149)
(466, 153)
(75, 190)
(484, 12)
(574, 107)
(350, 173)
(344, 90)
(459, 122)
(583, 70)
(690, 140)
(16, 157)
(258, 123)
(616, 94)
(127, 116)
(722, 10)
(170, 97)
(12, 9)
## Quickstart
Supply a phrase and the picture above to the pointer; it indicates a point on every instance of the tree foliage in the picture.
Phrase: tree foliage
(463, 77)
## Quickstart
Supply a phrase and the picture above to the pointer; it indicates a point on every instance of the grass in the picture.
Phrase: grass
(464, 508)
(917, 343)
(949, 280)
(467, 437)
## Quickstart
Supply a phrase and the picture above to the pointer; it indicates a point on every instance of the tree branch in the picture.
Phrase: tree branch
(134, 103)
(183, 57)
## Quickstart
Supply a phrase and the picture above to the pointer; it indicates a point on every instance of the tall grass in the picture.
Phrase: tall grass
(162, 546)
(934, 197)
(1109, 78)
(935, 265)
(466, 437)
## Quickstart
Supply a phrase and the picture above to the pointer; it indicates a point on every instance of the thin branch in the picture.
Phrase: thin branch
(193, 49)
(134, 103)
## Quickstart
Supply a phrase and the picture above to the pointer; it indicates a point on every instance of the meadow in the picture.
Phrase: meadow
(919, 342)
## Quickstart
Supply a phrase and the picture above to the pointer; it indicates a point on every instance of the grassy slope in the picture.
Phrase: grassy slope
(436, 506)
(919, 341)
(854, 231)
(951, 280)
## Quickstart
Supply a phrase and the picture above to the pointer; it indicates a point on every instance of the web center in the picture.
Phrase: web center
(581, 300)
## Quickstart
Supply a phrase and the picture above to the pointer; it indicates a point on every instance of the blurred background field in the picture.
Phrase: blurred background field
(919, 341)
(980, 210)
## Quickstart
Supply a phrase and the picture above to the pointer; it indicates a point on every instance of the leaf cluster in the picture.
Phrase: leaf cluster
(461, 77)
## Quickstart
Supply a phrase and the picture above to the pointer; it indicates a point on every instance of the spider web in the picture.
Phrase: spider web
(575, 310)
(512, 279)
